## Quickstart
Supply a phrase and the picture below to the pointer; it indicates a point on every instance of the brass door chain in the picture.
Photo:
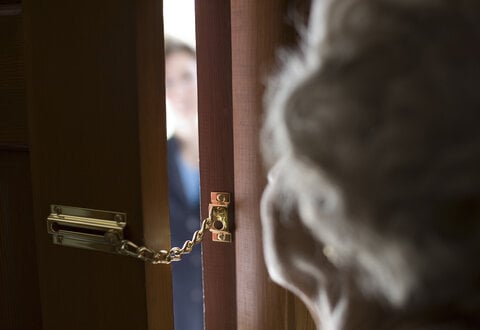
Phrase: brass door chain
(129, 248)
(103, 231)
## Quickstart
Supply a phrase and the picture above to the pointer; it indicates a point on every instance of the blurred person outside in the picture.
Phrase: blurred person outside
(184, 181)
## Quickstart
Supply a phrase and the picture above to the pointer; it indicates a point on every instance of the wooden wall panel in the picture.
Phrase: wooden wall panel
(261, 303)
(13, 123)
(258, 29)
(19, 298)
(92, 80)
(19, 289)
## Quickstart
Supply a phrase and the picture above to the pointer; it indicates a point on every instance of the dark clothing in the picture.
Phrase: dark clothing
(187, 274)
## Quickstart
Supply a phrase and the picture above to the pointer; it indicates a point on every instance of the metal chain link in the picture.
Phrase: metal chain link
(129, 248)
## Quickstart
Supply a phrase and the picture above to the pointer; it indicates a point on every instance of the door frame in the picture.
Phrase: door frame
(237, 43)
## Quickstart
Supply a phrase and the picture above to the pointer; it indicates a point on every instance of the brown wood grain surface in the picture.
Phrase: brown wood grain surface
(216, 154)
(13, 123)
(152, 129)
(258, 29)
(261, 304)
(10, 9)
(19, 298)
(84, 103)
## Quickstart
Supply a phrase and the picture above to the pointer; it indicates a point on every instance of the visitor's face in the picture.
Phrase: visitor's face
(181, 85)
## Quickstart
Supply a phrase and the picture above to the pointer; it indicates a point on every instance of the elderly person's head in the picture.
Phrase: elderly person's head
(372, 212)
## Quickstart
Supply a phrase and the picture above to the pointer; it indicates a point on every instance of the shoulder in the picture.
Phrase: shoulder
(172, 144)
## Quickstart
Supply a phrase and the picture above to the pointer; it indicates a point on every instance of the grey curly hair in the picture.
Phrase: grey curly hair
(383, 99)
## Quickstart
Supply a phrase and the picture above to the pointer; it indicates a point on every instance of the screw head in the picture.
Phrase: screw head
(118, 218)
(221, 197)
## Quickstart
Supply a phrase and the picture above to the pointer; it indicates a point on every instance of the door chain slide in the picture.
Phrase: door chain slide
(103, 231)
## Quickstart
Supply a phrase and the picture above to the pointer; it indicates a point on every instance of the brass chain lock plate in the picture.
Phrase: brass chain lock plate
(103, 231)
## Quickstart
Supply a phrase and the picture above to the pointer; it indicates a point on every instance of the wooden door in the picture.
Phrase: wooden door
(259, 30)
(19, 291)
(237, 42)
(97, 138)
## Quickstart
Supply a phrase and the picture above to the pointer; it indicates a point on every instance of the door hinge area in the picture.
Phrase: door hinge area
(103, 231)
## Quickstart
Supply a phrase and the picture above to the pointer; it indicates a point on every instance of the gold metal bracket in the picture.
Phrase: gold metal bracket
(103, 230)
(218, 213)
(86, 228)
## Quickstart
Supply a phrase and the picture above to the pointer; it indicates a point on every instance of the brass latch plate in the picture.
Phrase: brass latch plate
(86, 228)
(218, 213)
(103, 230)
